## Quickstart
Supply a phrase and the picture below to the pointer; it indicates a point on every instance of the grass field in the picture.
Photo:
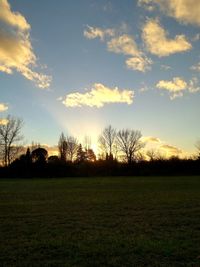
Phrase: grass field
(135, 221)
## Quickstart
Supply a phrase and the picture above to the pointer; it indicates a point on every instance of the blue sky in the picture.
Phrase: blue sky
(82, 65)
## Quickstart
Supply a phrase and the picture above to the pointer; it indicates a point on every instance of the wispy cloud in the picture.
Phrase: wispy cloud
(150, 139)
(121, 43)
(139, 63)
(171, 150)
(95, 32)
(98, 96)
(196, 67)
(165, 67)
(177, 86)
(158, 43)
(125, 44)
(184, 11)
(16, 52)
(3, 107)
(193, 85)
(196, 37)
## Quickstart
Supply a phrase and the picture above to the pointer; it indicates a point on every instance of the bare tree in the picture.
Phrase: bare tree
(152, 154)
(62, 147)
(72, 146)
(198, 148)
(129, 143)
(10, 136)
(107, 140)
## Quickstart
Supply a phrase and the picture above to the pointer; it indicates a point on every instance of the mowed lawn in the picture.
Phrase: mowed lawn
(126, 221)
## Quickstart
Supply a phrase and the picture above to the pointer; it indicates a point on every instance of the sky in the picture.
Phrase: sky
(77, 66)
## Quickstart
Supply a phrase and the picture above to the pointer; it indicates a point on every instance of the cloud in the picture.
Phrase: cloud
(196, 67)
(175, 87)
(165, 67)
(171, 150)
(158, 43)
(151, 139)
(95, 32)
(121, 44)
(143, 89)
(159, 148)
(3, 107)
(3, 121)
(184, 11)
(196, 37)
(147, 4)
(98, 96)
(12, 18)
(125, 44)
(193, 85)
(16, 52)
(139, 63)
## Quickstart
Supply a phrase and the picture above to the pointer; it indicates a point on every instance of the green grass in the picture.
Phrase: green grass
(135, 221)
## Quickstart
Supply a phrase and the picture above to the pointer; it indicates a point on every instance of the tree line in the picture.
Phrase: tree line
(120, 154)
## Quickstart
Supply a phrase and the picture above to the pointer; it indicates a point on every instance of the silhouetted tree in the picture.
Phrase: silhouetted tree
(152, 154)
(81, 155)
(39, 155)
(28, 156)
(129, 143)
(72, 146)
(10, 136)
(53, 159)
(90, 155)
(62, 147)
(198, 149)
(107, 140)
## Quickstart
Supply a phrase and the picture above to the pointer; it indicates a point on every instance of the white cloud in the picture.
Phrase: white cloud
(158, 43)
(175, 87)
(98, 96)
(16, 52)
(3, 107)
(184, 11)
(120, 43)
(95, 32)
